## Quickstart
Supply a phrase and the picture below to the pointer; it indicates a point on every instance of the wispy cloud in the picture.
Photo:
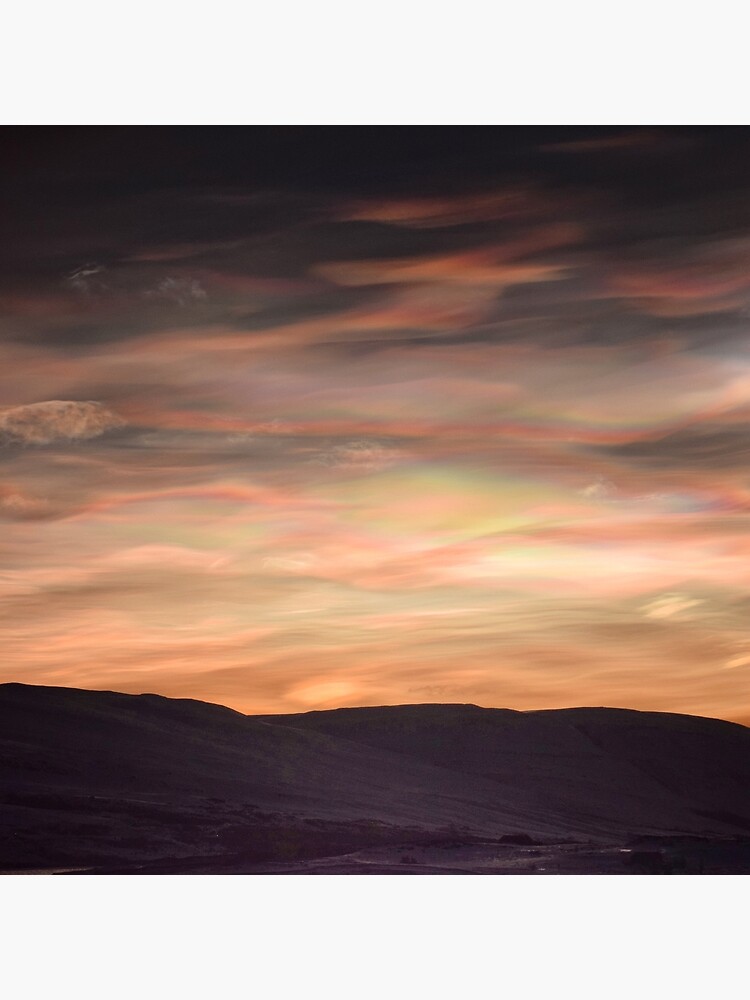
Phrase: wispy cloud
(57, 420)
(486, 442)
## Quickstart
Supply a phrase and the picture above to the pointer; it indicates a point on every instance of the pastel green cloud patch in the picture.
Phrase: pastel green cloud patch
(453, 504)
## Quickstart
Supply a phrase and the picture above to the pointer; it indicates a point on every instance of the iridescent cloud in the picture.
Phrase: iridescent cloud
(291, 443)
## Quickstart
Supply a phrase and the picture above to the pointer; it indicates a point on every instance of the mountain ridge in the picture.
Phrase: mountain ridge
(107, 774)
(4, 685)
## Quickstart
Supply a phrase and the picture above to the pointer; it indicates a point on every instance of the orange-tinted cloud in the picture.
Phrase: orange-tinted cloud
(485, 445)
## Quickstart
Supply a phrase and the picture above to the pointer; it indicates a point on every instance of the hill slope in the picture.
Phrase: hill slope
(629, 768)
(89, 775)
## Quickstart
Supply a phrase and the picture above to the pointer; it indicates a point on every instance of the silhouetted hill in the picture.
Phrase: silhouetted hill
(96, 775)
(589, 764)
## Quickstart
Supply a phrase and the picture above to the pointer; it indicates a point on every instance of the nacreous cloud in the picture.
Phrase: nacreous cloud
(57, 420)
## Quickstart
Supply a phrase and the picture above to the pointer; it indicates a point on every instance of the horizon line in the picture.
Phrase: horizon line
(355, 708)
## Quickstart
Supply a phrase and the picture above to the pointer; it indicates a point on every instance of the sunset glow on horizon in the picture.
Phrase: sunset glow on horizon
(294, 420)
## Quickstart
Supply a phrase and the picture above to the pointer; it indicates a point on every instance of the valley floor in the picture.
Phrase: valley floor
(651, 856)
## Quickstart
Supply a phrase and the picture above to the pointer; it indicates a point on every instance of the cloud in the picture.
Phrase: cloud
(86, 278)
(522, 201)
(743, 660)
(601, 489)
(670, 605)
(367, 456)
(57, 420)
(179, 290)
(357, 415)
(268, 428)
(712, 278)
(488, 267)
(301, 562)
(705, 446)
(130, 281)
(177, 557)
(18, 506)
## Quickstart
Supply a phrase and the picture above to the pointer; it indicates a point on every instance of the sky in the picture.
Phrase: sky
(295, 418)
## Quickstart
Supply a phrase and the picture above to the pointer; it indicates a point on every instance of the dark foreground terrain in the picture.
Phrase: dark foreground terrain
(654, 856)
(98, 782)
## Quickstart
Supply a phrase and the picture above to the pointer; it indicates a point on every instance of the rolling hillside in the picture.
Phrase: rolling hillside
(95, 776)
